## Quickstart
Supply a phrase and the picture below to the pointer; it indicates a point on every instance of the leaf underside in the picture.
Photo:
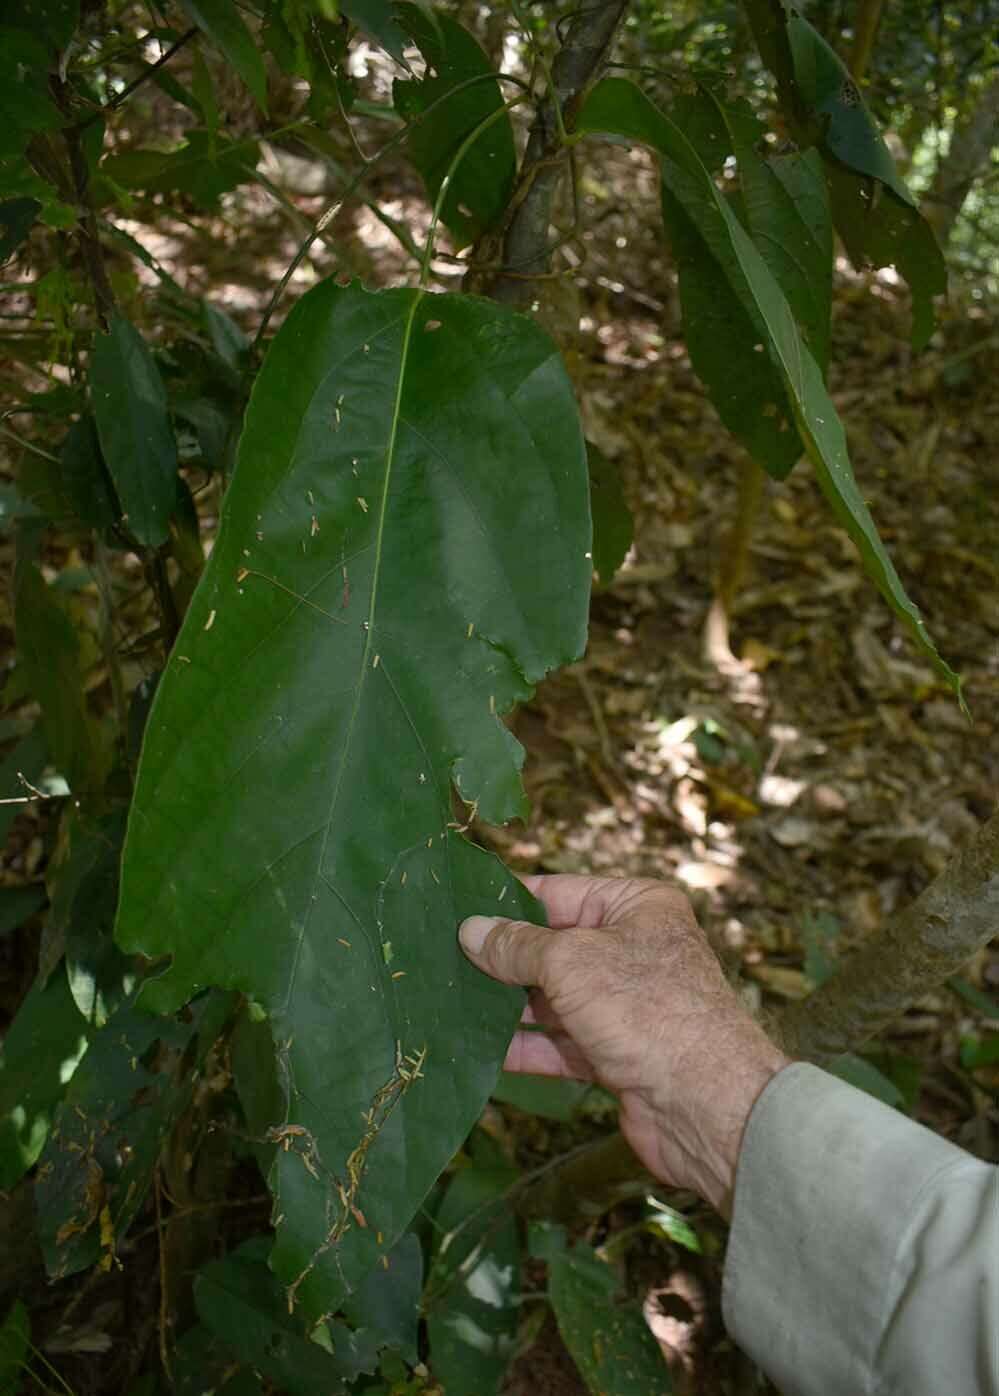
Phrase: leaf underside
(385, 583)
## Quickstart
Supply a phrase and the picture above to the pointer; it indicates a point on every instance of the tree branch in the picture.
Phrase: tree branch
(910, 955)
(526, 251)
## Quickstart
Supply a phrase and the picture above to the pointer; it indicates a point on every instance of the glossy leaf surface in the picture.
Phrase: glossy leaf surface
(385, 583)
(617, 106)
(130, 408)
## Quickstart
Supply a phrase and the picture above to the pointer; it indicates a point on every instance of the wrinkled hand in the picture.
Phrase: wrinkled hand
(629, 993)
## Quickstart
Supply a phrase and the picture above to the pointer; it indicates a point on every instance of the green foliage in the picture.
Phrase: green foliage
(479, 189)
(130, 407)
(205, 167)
(332, 559)
(609, 1341)
(15, 1341)
(613, 525)
(49, 656)
(873, 210)
(301, 730)
(41, 1051)
(135, 1081)
(221, 22)
(475, 1274)
(618, 107)
(243, 1304)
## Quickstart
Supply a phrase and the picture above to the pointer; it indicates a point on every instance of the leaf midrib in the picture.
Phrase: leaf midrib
(390, 452)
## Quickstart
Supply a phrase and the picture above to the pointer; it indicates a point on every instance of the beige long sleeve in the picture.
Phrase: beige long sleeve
(864, 1253)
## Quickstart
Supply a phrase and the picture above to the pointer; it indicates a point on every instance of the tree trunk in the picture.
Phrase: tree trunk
(589, 33)
(971, 143)
(910, 955)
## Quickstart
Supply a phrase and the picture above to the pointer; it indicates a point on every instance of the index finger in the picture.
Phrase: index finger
(571, 899)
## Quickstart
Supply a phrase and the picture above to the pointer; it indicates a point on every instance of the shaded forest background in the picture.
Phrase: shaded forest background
(748, 719)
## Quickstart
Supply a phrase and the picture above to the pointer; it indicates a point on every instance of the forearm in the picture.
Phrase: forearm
(864, 1252)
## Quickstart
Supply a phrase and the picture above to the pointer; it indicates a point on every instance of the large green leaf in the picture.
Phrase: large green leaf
(403, 553)
(479, 189)
(48, 650)
(40, 1052)
(619, 107)
(130, 407)
(609, 1340)
(873, 209)
(137, 1078)
(220, 20)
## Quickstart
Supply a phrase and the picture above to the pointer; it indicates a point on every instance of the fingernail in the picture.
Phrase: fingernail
(473, 931)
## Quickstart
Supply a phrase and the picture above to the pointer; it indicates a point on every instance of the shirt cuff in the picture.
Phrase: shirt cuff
(845, 1238)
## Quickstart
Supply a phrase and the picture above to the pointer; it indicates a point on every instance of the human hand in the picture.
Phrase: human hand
(629, 993)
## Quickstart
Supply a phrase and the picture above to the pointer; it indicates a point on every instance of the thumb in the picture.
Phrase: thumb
(511, 951)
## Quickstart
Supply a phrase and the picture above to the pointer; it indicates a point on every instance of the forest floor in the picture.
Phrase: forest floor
(801, 785)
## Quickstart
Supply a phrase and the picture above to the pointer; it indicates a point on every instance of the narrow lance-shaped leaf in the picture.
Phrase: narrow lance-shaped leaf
(719, 330)
(873, 209)
(133, 424)
(386, 582)
(720, 327)
(787, 214)
(618, 107)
